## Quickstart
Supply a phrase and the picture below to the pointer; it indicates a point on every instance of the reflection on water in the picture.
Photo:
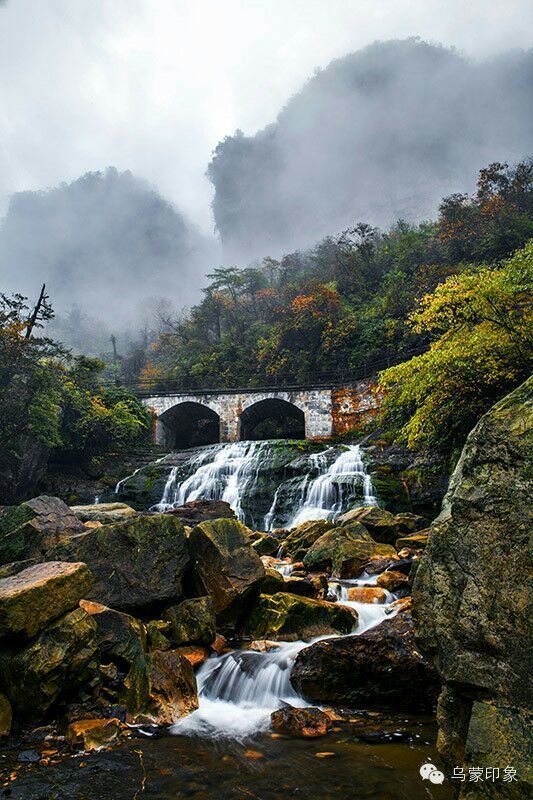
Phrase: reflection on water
(373, 758)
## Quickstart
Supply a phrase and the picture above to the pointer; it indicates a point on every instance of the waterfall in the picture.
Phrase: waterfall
(326, 496)
(238, 691)
(332, 481)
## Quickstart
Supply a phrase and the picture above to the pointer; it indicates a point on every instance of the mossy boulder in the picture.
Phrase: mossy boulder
(302, 722)
(382, 525)
(103, 512)
(472, 592)
(136, 563)
(34, 597)
(300, 538)
(60, 661)
(288, 616)
(272, 582)
(192, 621)
(225, 565)
(344, 551)
(382, 666)
(30, 529)
(196, 511)
(266, 545)
(171, 690)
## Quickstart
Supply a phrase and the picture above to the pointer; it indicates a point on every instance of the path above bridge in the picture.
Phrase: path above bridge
(187, 418)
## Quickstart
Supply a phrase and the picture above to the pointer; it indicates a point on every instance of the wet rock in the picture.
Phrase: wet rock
(6, 716)
(377, 565)
(266, 545)
(382, 525)
(196, 511)
(262, 646)
(136, 563)
(104, 513)
(471, 593)
(300, 538)
(121, 638)
(57, 663)
(272, 582)
(93, 734)
(195, 654)
(225, 565)
(416, 541)
(305, 722)
(392, 580)
(37, 595)
(345, 551)
(299, 586)
(287, 616)
(30, 529)
(157, 634)
(382, 666)
(192, 621)
(367, 594)
(220, 644)
(171, 691)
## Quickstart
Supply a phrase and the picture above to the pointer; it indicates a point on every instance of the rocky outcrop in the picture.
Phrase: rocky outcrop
(171, 689)
(192, 621)
(344, 551)
(32, 528)
(287, 616)
(225, 565)
(37, 595)
(137, 563)
(382, 525)
(381, 667)
(299, 539)
(472, 594)
(105, 513)
(266, 545)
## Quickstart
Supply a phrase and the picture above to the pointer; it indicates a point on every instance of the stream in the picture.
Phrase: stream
(225, 749)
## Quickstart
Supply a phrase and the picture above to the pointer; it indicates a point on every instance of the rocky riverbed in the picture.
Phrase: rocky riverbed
(178, 651)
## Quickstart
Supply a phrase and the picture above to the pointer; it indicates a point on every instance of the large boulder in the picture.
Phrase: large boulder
(171, 690)
(196, 511)
(34, 597)
(381, 524)
(58, 662)
(300, 538)
(192, 621)
(266, 545)
(344, 551)
(225, 565)
(287, 616)
(32, 528)
(136, 563)
(472, 592)
(383, 667)
(103, 512)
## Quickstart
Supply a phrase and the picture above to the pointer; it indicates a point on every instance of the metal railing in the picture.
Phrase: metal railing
(321, 380)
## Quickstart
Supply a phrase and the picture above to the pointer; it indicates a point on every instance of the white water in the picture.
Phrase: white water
(238, 691)
(325, 496)
(230, 472)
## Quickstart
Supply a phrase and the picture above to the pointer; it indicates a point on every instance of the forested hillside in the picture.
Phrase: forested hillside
(368, 297)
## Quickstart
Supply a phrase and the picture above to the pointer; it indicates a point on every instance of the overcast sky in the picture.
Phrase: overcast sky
(152, 85)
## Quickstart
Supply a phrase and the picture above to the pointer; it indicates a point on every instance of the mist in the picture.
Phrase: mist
(107, 246)
(381, 134)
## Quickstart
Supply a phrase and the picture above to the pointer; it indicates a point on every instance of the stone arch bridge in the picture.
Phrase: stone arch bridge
(185, 419)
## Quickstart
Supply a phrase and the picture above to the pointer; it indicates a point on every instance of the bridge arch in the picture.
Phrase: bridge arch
(188, 424)
(271, 418)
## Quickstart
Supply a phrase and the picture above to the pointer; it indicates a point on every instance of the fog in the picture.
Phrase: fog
(381, 134)
(153, 89)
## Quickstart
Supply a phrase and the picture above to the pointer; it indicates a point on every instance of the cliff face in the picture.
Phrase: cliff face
(472, 597)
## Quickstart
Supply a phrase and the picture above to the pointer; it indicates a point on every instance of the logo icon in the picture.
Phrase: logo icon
(429, 772)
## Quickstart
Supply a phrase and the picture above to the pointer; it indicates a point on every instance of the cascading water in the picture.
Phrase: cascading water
(327, 494)
(332, 481)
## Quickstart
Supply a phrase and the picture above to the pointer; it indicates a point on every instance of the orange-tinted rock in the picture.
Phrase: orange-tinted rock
(195, 654)
(367, 594)
(92, 734)
(219, 644)
(306, 722)
(391, 580)
(417, 541)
